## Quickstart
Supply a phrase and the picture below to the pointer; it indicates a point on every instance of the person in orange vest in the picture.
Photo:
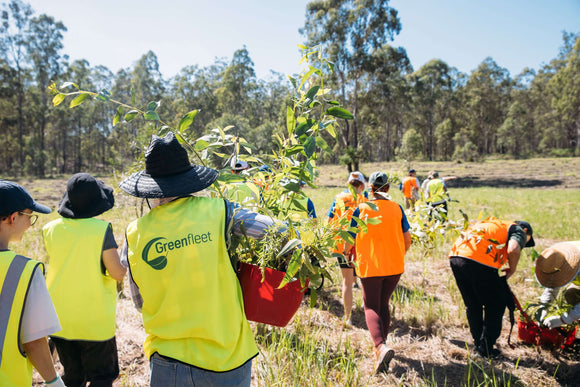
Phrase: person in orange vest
(476, 258)
(410, 188)
(380, 254)
(343, 205)
(27, 314)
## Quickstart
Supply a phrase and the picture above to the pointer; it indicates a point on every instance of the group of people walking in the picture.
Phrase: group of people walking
(178, 251)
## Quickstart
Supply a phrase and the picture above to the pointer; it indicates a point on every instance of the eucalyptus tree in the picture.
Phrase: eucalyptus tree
(45, 37)
(15, 17)
(350, 31)
(565, 90)
(385, 101)
(431, 91)
(488, 98)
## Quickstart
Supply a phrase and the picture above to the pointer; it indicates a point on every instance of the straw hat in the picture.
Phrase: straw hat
(558, 265)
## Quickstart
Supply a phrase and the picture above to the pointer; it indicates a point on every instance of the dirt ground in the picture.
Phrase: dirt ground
(439, 355)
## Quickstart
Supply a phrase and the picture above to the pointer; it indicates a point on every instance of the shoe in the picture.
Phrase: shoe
(483, 352)
(384, 357)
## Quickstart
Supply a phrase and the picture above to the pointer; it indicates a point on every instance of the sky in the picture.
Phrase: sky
(116, 33)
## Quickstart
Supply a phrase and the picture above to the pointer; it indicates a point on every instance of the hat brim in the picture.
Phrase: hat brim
(40, 208)
(558, 265)
(142, 185)
(106, 202)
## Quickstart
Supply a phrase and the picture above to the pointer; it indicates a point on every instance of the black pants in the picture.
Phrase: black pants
(484, 295)
(93, 362)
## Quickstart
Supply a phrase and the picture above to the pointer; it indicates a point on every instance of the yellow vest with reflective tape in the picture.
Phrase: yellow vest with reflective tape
(193, 309)
(15, 367)
(85, 299)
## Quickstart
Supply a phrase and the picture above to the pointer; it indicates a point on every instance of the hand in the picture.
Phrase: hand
(553, 322)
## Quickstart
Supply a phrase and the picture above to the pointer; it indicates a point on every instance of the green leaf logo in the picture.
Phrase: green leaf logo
(157, 263)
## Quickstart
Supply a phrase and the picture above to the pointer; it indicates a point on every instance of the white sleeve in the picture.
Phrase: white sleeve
(39, 318)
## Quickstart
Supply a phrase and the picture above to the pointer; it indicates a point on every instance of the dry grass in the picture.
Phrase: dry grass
(429, 328)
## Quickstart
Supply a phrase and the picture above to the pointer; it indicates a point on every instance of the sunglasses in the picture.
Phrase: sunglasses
(33, 217)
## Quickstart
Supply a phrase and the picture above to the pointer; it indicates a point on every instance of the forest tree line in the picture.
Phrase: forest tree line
(432, 113)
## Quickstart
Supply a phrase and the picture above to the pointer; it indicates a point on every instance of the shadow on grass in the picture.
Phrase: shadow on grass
(474, 373)
(498, 182)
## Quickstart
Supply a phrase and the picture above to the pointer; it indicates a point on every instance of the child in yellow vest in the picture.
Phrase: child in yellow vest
(82, 281)
(27, 314)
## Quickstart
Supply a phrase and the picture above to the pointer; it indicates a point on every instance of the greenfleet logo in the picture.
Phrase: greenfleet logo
(161, 246)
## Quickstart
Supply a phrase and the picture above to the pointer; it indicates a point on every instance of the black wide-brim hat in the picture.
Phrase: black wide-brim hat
(85, 197)
(168, 172)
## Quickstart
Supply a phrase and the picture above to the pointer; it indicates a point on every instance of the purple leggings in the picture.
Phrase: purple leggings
(376, 294)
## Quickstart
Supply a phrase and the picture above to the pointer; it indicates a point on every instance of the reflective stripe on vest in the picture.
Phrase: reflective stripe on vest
(484, 242)
(193, 307)
(344, 206)
(75, 281)
(380, 251)
(16, 274)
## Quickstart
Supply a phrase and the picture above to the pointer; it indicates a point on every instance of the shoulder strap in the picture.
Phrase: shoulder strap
(7, 294)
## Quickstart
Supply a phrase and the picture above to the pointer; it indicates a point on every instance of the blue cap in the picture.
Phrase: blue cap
(15, 198)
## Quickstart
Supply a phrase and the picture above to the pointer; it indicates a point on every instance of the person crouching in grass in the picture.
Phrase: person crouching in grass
(380, 253)
(27, 314)
(82, 281)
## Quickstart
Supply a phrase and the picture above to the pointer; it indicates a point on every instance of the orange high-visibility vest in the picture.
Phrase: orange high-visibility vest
(409, 183)
(344, 206)
(484, 242)
(380, 251)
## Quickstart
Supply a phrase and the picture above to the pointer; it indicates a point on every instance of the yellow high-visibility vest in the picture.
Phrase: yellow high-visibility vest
(193, 309)
(16, 274)
(75, 281)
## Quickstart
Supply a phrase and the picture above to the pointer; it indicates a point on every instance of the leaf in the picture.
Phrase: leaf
(290, 121)
(293, 267)
(312, 92)
(57, 99)
(116, 119)
(322, 144)
(78, 100)
(151, 116)
(130, 116)
(374, 221)
(187, 120)
(152, 106)
(292, 244)
(339, 112)
(303, 47)
(67, 84)
(104, 95)
(310, 147)
(133, 97)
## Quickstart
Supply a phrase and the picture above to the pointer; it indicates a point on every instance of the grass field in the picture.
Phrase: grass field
(429, 329)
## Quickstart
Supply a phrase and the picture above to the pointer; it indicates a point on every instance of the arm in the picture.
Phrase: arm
(39, 355)
(112, 262)
(514, 250)
(407, 238)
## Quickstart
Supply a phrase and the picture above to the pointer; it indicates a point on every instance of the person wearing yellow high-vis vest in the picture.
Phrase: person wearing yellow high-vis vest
(182, 277)
(476, 258)
(380, 254)
(84, 268)
(557, 267)
(27, 314)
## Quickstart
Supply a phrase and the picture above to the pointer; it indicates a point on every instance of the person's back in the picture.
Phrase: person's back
(84, 268)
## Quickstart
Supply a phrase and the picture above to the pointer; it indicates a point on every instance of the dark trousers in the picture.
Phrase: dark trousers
(93, 362)
(484, 295)
(377, 292)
